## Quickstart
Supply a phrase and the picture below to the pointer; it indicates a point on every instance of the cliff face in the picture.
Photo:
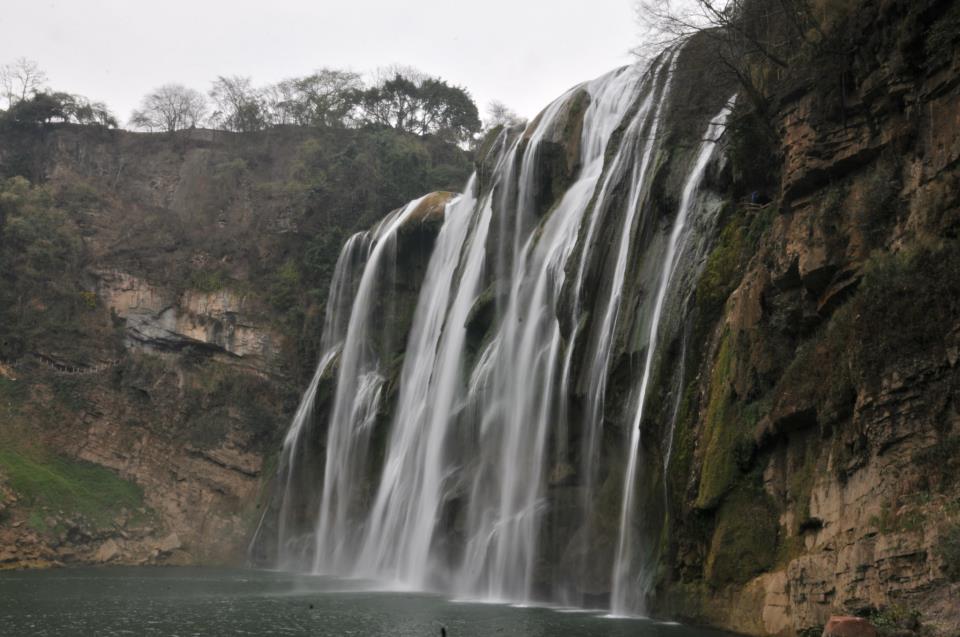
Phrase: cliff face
(158, 349)
(823, 420)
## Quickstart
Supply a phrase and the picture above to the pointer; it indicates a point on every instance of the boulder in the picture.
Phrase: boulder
(846, 626)
(169, 544)
(107, 551)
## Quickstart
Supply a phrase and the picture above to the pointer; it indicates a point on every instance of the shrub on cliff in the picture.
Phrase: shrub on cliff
(43, 109)
(40, 255)
(905, 308)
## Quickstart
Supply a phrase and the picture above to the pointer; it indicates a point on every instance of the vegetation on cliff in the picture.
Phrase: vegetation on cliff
(104, 233)
(57, 486)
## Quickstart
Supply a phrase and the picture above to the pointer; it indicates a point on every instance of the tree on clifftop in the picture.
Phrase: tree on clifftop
(42, 109)
(416, 103)
(171, 107)
(238, 106)
(499, 114)
(20, 80)
(324, 98)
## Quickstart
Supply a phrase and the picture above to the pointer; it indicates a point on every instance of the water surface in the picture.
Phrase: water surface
(189, 602)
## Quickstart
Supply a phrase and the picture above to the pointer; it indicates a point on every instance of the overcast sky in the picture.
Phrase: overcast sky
(521, 52)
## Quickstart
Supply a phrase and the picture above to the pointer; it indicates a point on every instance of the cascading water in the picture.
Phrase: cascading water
(359, 390)
(455, 493)
(629, 588)
(401, 523)
(294, 542)
(633, 156)
(518, 382)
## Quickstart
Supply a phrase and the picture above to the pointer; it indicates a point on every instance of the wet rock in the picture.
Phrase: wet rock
(561, 473)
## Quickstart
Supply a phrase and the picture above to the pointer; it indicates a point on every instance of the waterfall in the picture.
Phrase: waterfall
(634, 158)
(293, 544)
(443, 472)
(521, 380)
(359, 390)
(629, 589)
(402, 520)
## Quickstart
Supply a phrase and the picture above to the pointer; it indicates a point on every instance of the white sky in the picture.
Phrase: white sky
(521, 52)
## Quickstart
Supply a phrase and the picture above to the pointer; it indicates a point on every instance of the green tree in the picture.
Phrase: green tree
(43, 109)
(422, 105)
(324, 98)
(40, 249)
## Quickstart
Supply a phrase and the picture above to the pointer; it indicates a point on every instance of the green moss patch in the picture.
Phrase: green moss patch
(55, 483)
(728, 432)
(745, 538)
(13, 394)
(727, 261)
(208, 280)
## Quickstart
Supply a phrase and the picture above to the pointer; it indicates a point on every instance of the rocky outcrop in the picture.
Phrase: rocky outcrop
(156, 318)
(61, 540)
(189, 315)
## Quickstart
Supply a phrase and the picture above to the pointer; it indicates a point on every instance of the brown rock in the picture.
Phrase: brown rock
(169, 544)
(107, 551)
(846, 626)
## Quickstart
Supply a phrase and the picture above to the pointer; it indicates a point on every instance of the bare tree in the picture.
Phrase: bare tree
(21, 79)
(499, 114)
(171, 107)
(384, 74)
(761, 46)
(281, 103)
(238, 106)
(747, 33)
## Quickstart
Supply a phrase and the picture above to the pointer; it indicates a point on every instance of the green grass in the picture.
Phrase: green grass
(54, 483)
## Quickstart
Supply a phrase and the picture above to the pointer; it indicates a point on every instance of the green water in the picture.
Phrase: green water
(188, 602)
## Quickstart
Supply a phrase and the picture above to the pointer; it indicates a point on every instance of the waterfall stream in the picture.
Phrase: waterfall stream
(629, 588)
(442, 473)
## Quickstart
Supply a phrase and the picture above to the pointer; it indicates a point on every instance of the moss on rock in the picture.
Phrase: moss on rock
(725, 438)
(430, 210)
(744, 540)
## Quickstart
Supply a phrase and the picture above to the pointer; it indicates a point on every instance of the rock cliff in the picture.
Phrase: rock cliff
(822, 421)
(165, 359)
